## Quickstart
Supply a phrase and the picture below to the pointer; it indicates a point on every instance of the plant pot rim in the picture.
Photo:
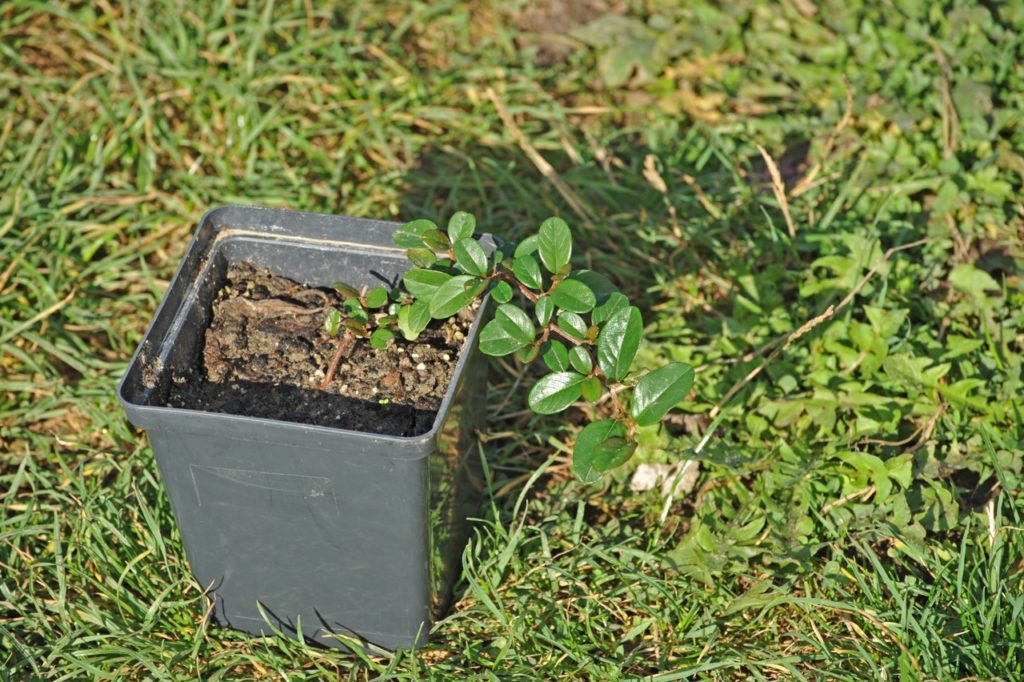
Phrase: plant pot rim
(216, 227)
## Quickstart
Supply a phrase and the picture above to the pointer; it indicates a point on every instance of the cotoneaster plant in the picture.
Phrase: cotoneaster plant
(584, 331)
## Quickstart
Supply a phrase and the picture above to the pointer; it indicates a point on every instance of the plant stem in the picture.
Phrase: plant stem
(344, 345)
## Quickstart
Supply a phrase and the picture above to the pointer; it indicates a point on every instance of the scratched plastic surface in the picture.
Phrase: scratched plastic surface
(292, 526)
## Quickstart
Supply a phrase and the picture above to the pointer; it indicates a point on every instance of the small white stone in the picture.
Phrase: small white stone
(414, 356)
(445, 357)
(421, 367)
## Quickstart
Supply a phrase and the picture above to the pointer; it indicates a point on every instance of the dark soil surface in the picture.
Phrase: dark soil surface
(264, 354)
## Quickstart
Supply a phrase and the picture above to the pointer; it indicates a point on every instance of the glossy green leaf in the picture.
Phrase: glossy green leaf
(544, 307)
(572, 324)
(613, 304)
(579, 358)
(555, 245)
(573, 296)
(461, 225)
(332, 322)
(658, 391)
(509, 331)
(423, 283)
(527, 271)
(502, 292)
(591, 389)
(380, 338)
(527, 246)
(555, 356)
(413, 319)
(355, 309)
(376, 297)
(555, 392)
(422, 257)
(470, 257)
(600, 446)
(619, 341)
(454, 295)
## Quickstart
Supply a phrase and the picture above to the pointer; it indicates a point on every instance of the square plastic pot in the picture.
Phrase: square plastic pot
(292, 527)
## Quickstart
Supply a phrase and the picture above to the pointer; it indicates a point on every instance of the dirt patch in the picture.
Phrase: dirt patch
(547, 24)
(264, 354)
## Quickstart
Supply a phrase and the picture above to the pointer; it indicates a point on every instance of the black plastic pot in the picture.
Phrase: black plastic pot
(305, 528)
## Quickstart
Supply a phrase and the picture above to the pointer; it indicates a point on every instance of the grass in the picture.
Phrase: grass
(858, 515)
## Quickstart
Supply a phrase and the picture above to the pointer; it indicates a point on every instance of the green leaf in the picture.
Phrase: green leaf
(410, 235)
(573, 296)
(556, 357)
(346, 291)
(591, 389)
(454, 295)
(332, 322)
(527, 354)
(572, 324)
(380, 338)
(555, 392)
(973, 281)
(613, 304)
(544, 307)
(509, 331)
(355, 309)
(527, 246)
(423, 283)
(579, 358)
(600, 446)
(413, 319)
(461, 225)
(618, 342)
(598, 283)
(527, 271)
(376, 297)
(421, 258)
(658, 391)
(436, 239)
(470, 257)
(502, 292)
(555, 245)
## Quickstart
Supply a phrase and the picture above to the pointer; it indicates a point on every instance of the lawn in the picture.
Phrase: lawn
(818, 205)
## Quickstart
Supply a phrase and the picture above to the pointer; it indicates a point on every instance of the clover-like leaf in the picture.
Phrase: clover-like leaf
(544, 307)
(613, 304)
(413, 319)
(423, 283)
(502, 292)
(554, 241)
(332, 322)
(380, 338)
(573, 296)
(376, 297)
(572, 324)
(659, 390)
(555, 392)
(454, 295)
(461, 225)
(436, 239)
(509, 331)
(619, 341)
(579, 358)
(600, 446)
(355, 309)
(470, 257)
(527, 271)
